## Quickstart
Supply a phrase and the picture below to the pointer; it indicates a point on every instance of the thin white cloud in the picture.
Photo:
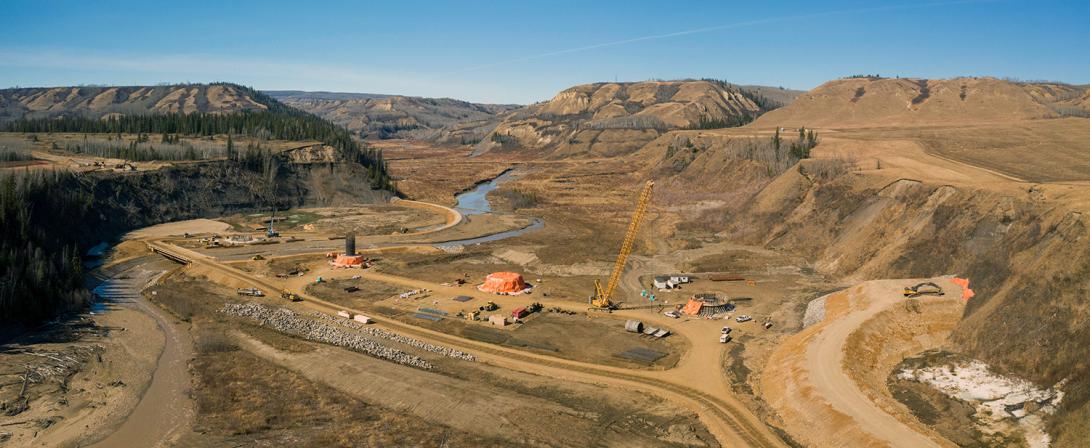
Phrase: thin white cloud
(748, 23)
(212, 67)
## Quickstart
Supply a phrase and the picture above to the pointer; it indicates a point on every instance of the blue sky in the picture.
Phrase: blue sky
(521, 52)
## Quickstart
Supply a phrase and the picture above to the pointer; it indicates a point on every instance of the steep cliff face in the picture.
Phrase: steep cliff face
(98, 102)
(127, 201)
(619, 118)
(1028, 259)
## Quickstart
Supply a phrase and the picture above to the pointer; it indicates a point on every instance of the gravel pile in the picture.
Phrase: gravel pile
(287, 321)
(380, 333)
(815, 312)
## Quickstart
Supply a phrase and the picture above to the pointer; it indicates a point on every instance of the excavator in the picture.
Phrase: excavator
(926, 288)
(603, 297)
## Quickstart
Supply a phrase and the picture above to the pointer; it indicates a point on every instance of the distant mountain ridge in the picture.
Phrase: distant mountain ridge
(873, 101)
(294, 95)
(97, 102)
(375, 116)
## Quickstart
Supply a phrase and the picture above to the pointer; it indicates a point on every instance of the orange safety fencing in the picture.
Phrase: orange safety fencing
(966, 293)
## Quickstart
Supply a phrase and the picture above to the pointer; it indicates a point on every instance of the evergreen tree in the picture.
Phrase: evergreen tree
(231, 148)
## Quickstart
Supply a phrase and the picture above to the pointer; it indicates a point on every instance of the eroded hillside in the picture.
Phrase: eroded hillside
(618, 118)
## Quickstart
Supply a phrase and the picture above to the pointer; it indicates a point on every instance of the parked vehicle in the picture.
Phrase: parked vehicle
(724, 338)
(726, 330)
(673, 314)
(743, 318)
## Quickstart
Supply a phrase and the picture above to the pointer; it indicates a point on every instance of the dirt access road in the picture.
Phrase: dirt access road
(807, 383)
(728, 420)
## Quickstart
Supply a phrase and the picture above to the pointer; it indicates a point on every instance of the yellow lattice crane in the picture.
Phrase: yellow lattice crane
(603, 298)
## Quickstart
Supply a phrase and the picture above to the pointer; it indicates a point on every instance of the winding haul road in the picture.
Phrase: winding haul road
(825, 362)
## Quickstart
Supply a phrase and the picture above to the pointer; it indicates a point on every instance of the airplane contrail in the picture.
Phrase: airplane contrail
(728, 26)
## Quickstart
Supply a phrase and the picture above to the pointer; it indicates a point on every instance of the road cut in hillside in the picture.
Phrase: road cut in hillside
(825, 382)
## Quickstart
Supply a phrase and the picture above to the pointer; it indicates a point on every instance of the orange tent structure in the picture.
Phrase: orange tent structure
(693, 307)
(503, 283)
(348, 261)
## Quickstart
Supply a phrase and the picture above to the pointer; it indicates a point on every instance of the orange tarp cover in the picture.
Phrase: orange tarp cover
(348, 261)
(503, 282)
(693, 307)
(966, 293)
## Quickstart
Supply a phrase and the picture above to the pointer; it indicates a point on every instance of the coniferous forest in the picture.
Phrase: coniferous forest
(40, 252)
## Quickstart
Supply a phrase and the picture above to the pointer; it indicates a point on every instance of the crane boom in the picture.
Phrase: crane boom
(603, 297)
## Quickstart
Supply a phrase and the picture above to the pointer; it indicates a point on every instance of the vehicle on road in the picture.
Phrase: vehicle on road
(288, 295)
(252, 292)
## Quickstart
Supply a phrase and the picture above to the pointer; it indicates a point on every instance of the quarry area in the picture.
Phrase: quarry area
(878, 262)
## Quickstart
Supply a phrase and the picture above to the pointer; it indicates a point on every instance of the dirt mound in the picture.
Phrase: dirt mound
(868, 102)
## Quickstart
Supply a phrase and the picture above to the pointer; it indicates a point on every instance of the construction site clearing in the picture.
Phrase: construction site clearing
(731, 340)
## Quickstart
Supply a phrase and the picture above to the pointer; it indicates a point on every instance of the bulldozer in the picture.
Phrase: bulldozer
(925, 288)
(603, 297)
(490, 306)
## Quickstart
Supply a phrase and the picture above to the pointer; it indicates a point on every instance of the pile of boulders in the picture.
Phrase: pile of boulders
(380, 333)
(287, 321)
